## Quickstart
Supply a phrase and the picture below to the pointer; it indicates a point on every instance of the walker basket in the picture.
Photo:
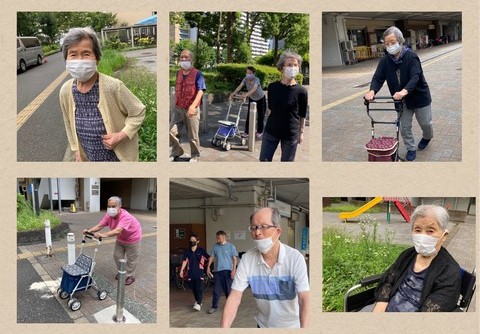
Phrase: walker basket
(382, 149)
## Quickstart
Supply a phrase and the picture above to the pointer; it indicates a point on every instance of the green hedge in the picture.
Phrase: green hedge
(234, 73)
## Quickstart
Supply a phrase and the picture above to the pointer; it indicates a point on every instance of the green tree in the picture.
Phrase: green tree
(26, 23)
(279, 26)
(48, 25)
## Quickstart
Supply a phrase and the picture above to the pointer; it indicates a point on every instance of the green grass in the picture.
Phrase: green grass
(347, 259)
(349, 208)
(111, 61)
(28, 221)
(144, 85)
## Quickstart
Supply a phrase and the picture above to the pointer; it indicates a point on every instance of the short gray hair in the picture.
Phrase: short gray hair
(288, 54)
(397, 32)
(116, 199)
(276, 216)
(192, 57)
(437, 212)
(76, 35)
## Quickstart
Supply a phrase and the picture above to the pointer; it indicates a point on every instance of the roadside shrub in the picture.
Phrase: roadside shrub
(28, 221)
(348, 258)
(111, 61)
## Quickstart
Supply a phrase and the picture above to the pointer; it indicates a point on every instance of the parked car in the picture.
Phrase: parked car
(29, 52)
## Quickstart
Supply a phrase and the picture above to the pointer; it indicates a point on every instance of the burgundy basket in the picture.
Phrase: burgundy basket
(381, 149)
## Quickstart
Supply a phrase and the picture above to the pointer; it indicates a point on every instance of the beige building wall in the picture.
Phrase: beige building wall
(132, 17)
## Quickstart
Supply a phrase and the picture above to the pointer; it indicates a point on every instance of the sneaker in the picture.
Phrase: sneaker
(244, 135)
(197, 306)
(193, 159)
(258, 135)
(212, 310)
(423, 144)
(411, 155)
(173, 158)
(129, 280)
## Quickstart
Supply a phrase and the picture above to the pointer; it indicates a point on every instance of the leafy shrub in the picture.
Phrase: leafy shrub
(113, 42)
(347, 259)
(28, 221)
(111, 61)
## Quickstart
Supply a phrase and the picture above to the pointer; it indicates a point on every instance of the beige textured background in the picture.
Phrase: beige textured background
(327, 179)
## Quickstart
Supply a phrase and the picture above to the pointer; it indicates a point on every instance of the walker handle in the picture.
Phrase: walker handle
(91, 236)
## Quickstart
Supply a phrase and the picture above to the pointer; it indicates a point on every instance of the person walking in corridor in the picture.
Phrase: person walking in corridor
(224, 254)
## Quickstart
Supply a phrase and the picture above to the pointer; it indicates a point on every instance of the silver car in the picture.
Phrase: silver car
(29, 52)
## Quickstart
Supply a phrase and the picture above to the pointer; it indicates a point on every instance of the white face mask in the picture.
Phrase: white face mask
(249, 76)
(186, 64)
(112, 212)
(290, 72)
(393, 49)
(82, 70)
(425, 244)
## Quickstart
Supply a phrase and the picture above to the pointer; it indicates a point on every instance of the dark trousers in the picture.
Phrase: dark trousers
(196, 286)
(261, 107)
(223, 283)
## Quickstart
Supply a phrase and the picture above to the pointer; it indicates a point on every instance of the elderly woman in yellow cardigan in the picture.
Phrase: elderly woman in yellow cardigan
(101, 115)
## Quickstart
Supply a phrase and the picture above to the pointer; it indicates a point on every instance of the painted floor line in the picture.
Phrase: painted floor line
(351, 97)
(28, 111)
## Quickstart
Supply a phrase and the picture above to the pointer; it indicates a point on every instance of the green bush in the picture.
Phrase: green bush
(347, 259)
(113, 42)
(144, 85)
(111, 61)
(266, 59)
(28, 221)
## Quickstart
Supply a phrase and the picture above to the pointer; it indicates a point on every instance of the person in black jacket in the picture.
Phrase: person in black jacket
(424, 278)
(401, 68)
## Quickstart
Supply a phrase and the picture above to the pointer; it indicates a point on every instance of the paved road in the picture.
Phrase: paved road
(42, 137)
(35, 302)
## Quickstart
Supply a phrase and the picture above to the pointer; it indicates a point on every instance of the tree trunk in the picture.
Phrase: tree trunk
(218, 38)
(229, 28)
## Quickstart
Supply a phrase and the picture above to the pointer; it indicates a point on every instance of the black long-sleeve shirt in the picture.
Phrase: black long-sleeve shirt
(287, 105)
(406, 74)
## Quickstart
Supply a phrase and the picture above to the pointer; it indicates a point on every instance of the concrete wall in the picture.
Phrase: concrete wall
(140, 190)
(333, 33)
(91, 200)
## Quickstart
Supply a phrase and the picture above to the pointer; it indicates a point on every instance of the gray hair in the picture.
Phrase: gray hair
(76, 35)
(276, 217)
(192, 57)
(116, 199)
(397, 32)
(288, 54)
(433, 211)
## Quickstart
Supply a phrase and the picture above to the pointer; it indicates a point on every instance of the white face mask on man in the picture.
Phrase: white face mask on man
(185, 64)
(82, 70)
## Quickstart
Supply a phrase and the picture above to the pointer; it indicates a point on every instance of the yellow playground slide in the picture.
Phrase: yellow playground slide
(360, 210)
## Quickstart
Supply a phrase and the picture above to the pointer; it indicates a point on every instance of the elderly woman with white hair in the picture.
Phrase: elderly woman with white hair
(102, 116)
(128, 231)
(287, 102)
(402, 70)
(424, 278)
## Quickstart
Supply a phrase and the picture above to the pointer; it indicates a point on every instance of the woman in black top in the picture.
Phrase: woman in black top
(402, 70)
(287, 102)
(424, 278)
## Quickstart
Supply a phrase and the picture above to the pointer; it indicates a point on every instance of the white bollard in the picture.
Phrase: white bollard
(122, 275)
(252, 126)
(71, 248)
(48, 237)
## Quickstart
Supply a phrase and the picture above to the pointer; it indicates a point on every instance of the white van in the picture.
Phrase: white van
(29, 52)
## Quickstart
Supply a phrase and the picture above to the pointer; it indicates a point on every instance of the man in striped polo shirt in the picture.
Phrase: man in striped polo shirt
(277, 275)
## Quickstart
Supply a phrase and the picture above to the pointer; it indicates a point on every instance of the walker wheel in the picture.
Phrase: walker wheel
(62, 294)
(74, 304)
(218, 142)
(213, 141)
(244, 141)
(227, 146)
(102, 294)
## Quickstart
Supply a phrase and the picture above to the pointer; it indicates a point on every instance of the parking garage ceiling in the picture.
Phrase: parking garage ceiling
(449, 16)
(291, 191)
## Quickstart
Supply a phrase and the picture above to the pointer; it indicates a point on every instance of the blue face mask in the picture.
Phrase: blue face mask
(250, 76)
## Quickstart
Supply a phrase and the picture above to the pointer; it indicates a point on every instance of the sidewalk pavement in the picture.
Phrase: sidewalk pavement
(140, 297)
(460, 243)
(208, 152)
(346, 128)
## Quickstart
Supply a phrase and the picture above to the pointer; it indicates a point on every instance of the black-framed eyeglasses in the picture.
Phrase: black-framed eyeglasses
(253, 228)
